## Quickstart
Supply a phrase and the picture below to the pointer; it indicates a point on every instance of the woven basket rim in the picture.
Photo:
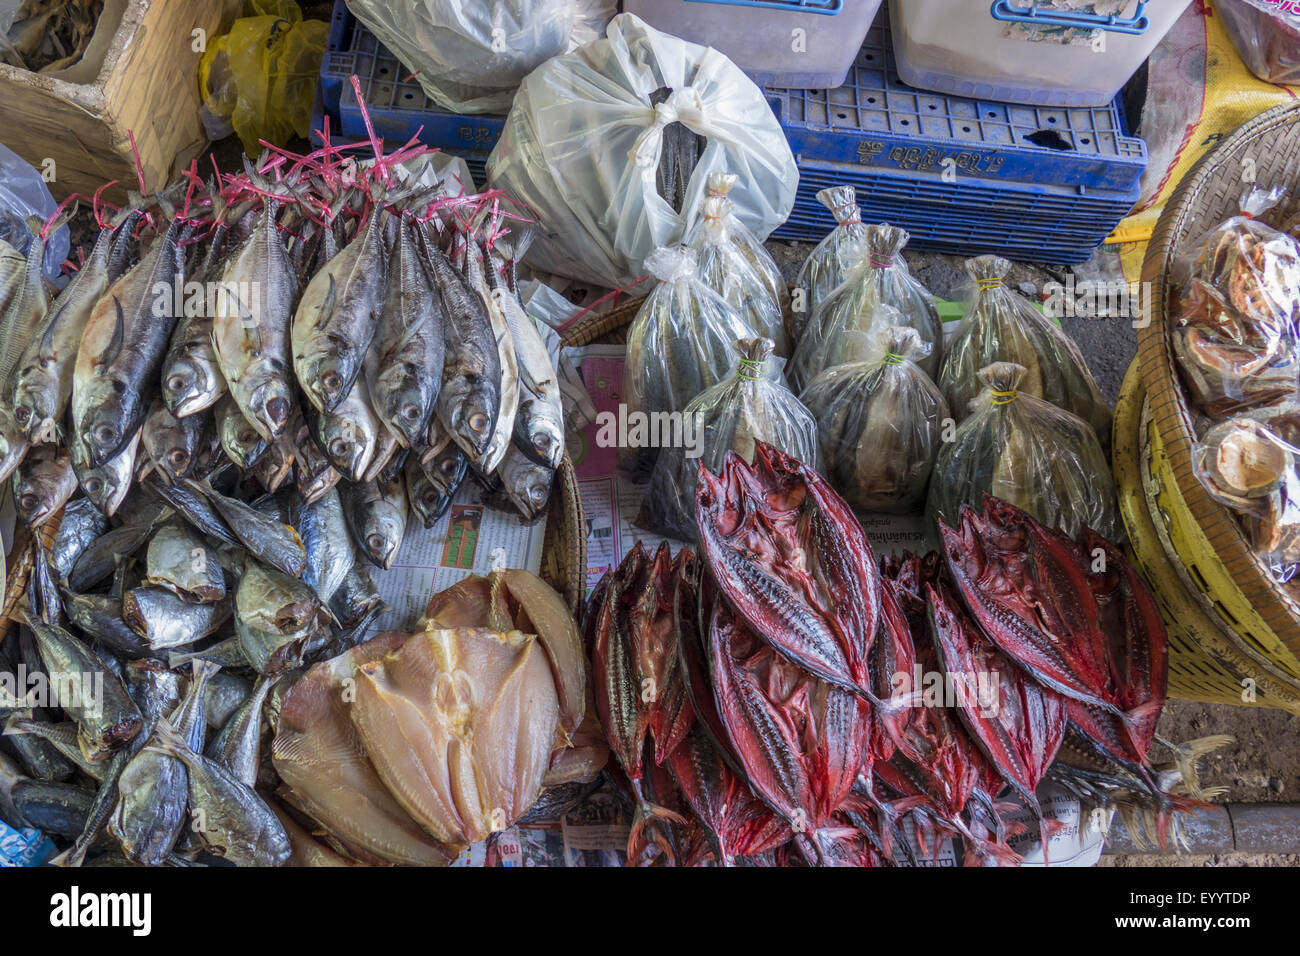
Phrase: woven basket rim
(1167, 401)
(589, 328)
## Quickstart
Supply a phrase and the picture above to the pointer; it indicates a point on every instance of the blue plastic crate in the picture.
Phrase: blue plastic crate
(962, 176)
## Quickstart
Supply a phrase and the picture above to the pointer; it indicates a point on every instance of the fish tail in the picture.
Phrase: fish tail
(649, 828)
(1188, 754)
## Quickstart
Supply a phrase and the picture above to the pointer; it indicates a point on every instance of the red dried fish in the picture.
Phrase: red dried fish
(1018, 724)
(630, 604)
(792, 560)
(1027, 588)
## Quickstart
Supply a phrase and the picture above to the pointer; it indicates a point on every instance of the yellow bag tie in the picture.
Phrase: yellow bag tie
(1004, 398)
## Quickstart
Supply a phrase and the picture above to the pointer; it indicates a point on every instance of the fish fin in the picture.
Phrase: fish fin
(166, 740)
(45, 350)
(34, 224)
(115, 343)
(327, 308)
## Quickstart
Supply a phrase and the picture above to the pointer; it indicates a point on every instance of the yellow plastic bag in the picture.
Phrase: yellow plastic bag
(259, 80)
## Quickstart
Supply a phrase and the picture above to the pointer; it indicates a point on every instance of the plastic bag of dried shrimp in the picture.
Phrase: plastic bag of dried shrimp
(724, 268)
(1028, 452)
(880, 424)
(612, 146)
(1002, 326)
(1236, 338)
(1249, 464)
(830, 263)
(679, 344)
(753, 405)
(880, 278)
(720, 184)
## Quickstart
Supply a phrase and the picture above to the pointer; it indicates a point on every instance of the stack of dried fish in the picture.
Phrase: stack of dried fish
(1030, 453)
(774, 680)
(295, 320)
(1001, 326)
(1237, 342)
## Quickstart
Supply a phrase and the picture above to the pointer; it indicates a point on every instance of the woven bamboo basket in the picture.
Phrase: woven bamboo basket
(1206, 660)
(1204, 537)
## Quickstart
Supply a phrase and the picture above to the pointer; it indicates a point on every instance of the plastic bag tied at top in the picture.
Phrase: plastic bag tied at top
(260, 79)
(724, 268)
(834, 257)
(1236, 336)
(879, 279)
(1030, 453)
(880, 424)
(1002, 326)
(752, 405)
(679, 344)
(720, 184)
(583, 146)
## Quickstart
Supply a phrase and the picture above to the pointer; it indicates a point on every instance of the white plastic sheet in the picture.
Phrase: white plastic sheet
(582, 146)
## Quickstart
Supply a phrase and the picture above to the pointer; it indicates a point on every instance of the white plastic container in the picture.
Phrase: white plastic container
(793, 44)
(1044, 53)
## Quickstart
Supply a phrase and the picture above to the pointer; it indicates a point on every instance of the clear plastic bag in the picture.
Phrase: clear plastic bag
(720, 184)
(1236, 338)
(1030, 453)
(833, 259)
(584, 148)
(880, 423)
(1001, 326)
(725, 269)
(23, 193)
(1249, 464)
(753, 405)
(471, 56)
(1267, 35)
(679, 344)
(879, 279)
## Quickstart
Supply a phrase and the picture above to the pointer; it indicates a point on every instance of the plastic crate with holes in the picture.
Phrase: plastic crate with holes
(398, 107)
(963, 176)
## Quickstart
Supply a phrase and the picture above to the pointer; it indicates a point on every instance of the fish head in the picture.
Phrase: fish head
(270, 406)
(13, 443)
(344, 444)
(447, 471)
(528, 485)
(106, 426)
(327, 371)
(541, 433)
(472, 419)
(107, 485)
(383, 536)
(42, 484)
(406, 404)
(35, 402)
(190, 385)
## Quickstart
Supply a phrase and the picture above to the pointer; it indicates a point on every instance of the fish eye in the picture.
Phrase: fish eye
(22, 414)
(538, 493)
(105, 433)
(28, 502)
(331, 381)
(448, 467)
(542, 443)
(178, 457)
(430, 496)
(247, 436)
(411, 412)
(94, 486)
(478, 422)
(375, 543)
(176, 382)
(338, 448)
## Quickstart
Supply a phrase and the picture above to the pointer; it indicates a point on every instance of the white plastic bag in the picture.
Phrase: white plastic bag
(470, 56)
(582, 146)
